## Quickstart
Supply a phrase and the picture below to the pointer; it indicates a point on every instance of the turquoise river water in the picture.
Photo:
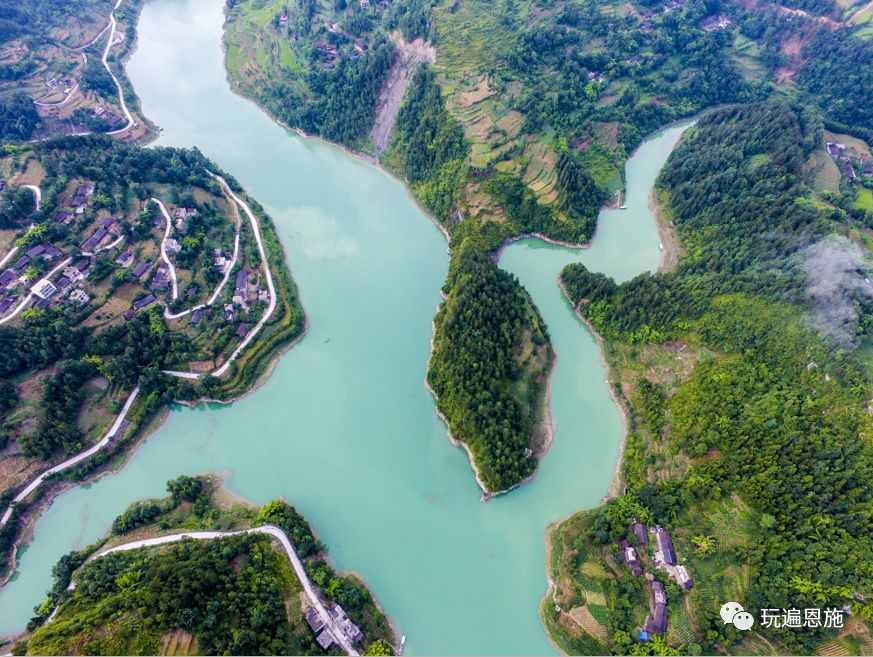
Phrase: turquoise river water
(344, 428)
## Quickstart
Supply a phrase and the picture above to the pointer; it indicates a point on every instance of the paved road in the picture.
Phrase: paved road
(270, 285)
(70, 462)
(105, 60)
(273, 531)
(164, 255)
(221, 285)
(37, 192)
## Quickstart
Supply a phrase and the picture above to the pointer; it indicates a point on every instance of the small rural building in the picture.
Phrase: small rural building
(242, 330)
(326, 640)
(141, 270)
(144, 302)
(44, 289)
(664, 552)
(656, 622)
(196, 316)
(683, 578)
(315, 620)
(7, 278)
(21, 264)
(125, 259)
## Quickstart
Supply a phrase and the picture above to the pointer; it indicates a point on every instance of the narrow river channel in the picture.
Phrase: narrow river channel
(344, 428)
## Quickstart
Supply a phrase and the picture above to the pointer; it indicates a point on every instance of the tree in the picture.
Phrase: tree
(380, 647)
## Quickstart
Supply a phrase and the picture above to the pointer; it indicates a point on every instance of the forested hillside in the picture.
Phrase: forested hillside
(770, 418)
(232, 595)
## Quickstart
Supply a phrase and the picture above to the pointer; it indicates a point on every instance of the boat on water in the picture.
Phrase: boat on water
(402, 644)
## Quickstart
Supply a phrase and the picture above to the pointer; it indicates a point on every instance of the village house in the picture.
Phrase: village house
(656, 621)
(145, 302)
(6, 305)
(45, 251)
(125, 259)
(630, 557)
(8, 279)
(316, 622)
(83, 266)
(352, 631)
(44, 289)
(161, 280)
(720, 22)
(80, 200)
(242, 330)
(21, 264)
(240, 292)
(63, 283)
(172, 246)
(141, 270)
(223, 261)
(365, 4)
(79, 296)
(325, 640)
(96, 239)
(62, 216)
(228, 313)
(665, 554)
(835, 150)
(196, 316)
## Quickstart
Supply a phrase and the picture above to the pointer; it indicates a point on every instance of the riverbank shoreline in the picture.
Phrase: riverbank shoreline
(616, 482)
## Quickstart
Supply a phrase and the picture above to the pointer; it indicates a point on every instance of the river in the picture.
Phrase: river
(344, 428)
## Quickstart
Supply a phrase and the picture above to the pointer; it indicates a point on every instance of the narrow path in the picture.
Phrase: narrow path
(60, 103)
(223, 282)
(105, 60)
(33, 485)
(95, 39)
(271, 530)
(29, 296)
(270, 285)
(164, 255)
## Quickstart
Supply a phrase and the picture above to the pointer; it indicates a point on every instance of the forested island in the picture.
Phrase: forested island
(235, 593)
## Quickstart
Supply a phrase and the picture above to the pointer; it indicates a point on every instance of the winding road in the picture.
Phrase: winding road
(164, 255)
(70, 462)
(220, 286)
(37, 192)
(256, 230)
(271, 530)
(105, 59)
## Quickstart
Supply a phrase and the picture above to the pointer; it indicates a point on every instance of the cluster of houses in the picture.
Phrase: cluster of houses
(59, 81)
(107, 231)
(708, 24)
(664, 558)
(838, 152)
(324, 635)
(112, 119)
(719, 22)
(41, 255)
